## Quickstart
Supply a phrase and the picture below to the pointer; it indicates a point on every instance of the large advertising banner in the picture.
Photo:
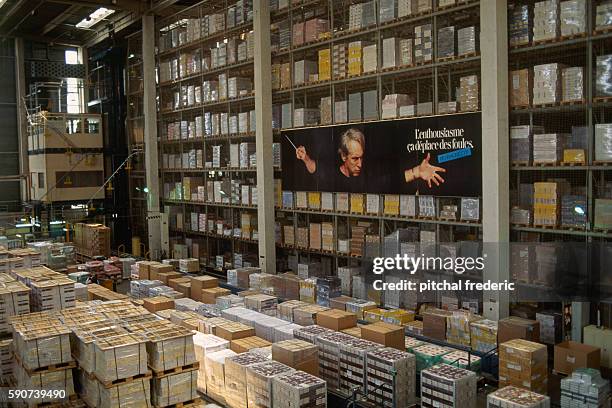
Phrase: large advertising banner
(438, 155)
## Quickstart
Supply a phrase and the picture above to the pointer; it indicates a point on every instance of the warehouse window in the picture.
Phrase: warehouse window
(92, 125)
(74, 95)
(79, 179)
(72, 57)
(41, 180)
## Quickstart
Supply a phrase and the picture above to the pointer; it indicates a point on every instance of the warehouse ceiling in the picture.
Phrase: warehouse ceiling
(55, 21)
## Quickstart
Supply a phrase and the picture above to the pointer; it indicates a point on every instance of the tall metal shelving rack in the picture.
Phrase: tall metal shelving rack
(579, 50)
(434, 81)
(135, 138)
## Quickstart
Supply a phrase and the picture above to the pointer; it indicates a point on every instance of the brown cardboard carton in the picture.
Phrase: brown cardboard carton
(174, 282)
(571, 355)
(518, 328)
(155, 304)
(184, 288)
(298, 354)
(157, 268)
(339, 302)
(143, 269)
(209, 296)
(353, 331)
(523, 363)
(235, 331)
(202, 282)
(520, 86)
(245, 344)
(336, 319)
(434, 323)
(388, 335)
(166, 276)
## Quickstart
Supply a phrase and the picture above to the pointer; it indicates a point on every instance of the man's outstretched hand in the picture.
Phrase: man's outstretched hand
(429, 173)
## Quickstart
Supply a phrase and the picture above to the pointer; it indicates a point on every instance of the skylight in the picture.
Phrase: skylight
(95, 17)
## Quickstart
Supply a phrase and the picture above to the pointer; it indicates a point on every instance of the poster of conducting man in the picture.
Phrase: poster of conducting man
(438, 156)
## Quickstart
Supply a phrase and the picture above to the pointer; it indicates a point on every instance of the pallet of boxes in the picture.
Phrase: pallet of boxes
(92, 239)
(14, 301)
(43, 359)
(172, 359)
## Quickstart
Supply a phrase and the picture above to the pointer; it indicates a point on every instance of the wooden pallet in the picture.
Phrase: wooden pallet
(469, 221)
(121, 381)
(546, 41)
(545, 164)
(545, 226)
(572, 36)
(602, 30)
(519, 224)
(520, 163)
(602, 230)
(517, 46)
(572, 164)
(602, 163)
(444, 59)
(49, 368)
(196, 402)
(572, 228)
(546, 105)
(573, 103)
(520, 107)
(447, 219)
(175, 370)
(423, 63)
(422, 217)
(602, 99)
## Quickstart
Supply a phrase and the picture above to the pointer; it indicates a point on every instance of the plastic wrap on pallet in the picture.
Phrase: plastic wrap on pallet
(235, 377)
(390, 378)
(446, 42)
(466, 41)
(310, 333)
(215, 373)
(469, 94)
(130, 394)
(603, 75)
(45, 380)
(519, 29)
(546, 20)
(423, 48)
(573, 17)
(299, 389)
(514, 397)
(603, 142)
(584, 386)
(603, 15)
(546, 84)
(329, 356)
(548, 147)
(572, 84)
(259, 382)
(174, 388)
(470, 209)
(455, 385)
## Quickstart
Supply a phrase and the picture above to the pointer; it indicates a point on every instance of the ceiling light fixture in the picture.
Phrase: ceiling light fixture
(95, 17)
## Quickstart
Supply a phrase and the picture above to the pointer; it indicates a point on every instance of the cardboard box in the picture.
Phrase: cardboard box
(339, 302)
(518, 328)
(209, 296)
(336, 319)
(173, 283)
(248, 343)
(155, 304)
(389, 335)
(202, 282)
(434, 323)
(234, 331)
(166, 276)
(571, 355)
(298, 354)
(156, 269)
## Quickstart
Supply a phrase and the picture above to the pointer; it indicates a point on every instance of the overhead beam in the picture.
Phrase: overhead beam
(161, 5)
(60, 18)
(120, 22)
(128, 5)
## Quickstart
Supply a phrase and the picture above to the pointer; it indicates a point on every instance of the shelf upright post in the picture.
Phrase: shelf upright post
(150, 135)
(263, 136)
(496, 166)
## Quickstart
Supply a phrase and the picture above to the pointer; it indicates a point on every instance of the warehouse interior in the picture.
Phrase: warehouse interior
(306, 203)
